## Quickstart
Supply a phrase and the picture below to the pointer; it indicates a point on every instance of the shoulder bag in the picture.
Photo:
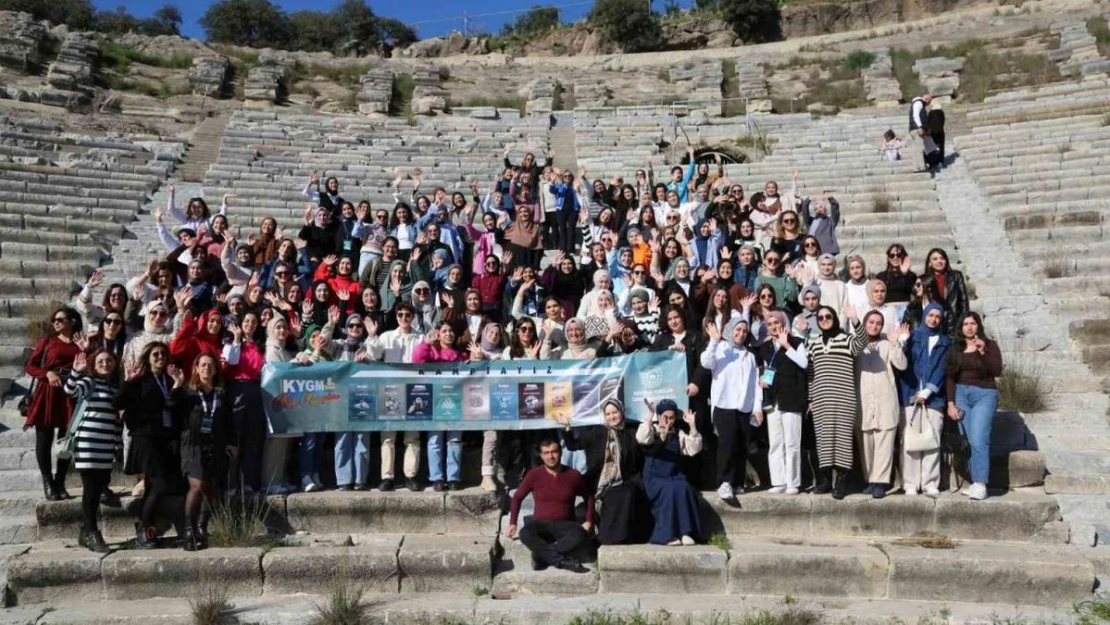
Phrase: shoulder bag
(25, 402)
(65, 446)
(920, 436)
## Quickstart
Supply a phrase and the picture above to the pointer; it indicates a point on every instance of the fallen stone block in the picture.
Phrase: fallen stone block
(446, 563)
(650, 569)
(807, 569)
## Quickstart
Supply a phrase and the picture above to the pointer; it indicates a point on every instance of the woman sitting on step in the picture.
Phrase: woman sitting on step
(674, 505)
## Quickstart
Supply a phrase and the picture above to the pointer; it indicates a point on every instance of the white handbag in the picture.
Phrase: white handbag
(922, 437)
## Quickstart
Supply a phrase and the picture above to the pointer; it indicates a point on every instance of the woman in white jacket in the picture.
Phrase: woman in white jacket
(879, 405)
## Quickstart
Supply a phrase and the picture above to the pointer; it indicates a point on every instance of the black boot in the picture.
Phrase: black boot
(60, 480)
(189, 541)
(145, 537)
(824, 482)
(83, 537)
(96, 542)
(840, 484)
(48, 491)
(200, 531)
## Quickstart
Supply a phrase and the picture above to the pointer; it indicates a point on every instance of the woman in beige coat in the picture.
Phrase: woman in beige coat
(880, 409)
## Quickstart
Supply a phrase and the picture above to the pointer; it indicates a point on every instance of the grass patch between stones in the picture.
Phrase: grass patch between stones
(235, 521)
(719, 541)
(343, 604)
(400, 100)
(927, 540)
(1093, 612)
(210, 605)
(1021, 387)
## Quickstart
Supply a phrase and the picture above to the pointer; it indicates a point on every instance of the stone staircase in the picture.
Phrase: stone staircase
(204, 147)
(561, 138)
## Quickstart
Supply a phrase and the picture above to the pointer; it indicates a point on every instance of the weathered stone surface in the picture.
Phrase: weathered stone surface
(375, 92)
(267, 82)
(1015, 517)
(20, 39)
(53, 572)
(446, 563)
(62, 519)
(398, 513)
(311, 570)
(73, 69)
(657, 569)
(807, 569)
(990, 573)
(174, 573)
(209, 75)
(858, 515)
(759, 514)
(472, 511)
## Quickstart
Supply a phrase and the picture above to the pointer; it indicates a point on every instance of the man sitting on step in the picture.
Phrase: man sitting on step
(553, 533)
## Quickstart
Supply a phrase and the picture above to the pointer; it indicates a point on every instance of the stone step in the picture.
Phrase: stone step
(1077, 484)
(549, 609)
(909, 569)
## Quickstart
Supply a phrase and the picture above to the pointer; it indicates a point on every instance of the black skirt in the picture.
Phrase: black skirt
(625, 515)
(158, 459)
(203, 460)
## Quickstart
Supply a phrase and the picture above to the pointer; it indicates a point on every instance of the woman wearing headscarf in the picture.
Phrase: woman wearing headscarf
(876, 302)
(197, 336)
(921, 386)
(973, 364)
(746, 270)
(737, 401)
(489, 347)
(525, 240)
(879, 406)
(674, 504)
(576, 347)
(428, 314)
(614, 466)
(317, 232)
(602, 283)
(783, 362)
(156, 327)
(706, 245)
(856, 283)
(833, 292)
(280, 347)
(397, 286)
(832, 396)
(950, 284)
(680, 276)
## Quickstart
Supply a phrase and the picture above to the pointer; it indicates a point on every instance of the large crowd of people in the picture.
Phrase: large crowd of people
(806, 370)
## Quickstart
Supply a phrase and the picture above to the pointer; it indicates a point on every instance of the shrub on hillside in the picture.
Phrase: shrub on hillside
(628, 23)
(754, 21)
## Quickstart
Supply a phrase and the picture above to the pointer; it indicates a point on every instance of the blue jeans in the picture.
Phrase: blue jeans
(978, 405)
(454, 456)
(311, 445)
(352, 458)
(573, 459)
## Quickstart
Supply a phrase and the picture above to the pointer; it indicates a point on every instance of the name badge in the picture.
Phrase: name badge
(768, 376)
(346, 245)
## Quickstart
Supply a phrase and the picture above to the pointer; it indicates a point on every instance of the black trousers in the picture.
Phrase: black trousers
(250, 422)
(733, 432)
(551, 541)
(94, 484)
(44, 454)
(565, 221)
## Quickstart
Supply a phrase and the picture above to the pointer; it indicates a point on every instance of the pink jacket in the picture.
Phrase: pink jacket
(426, 352)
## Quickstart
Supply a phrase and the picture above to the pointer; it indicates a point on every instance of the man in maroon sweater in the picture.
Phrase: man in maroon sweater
(553, 532)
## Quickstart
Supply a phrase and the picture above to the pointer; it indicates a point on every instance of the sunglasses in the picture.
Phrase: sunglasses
(158, 313)
(158, 354)
(527, 329)
(766, 296)
(404, 315)
(790, 222)
(770, 259)
(895, 255)
(113, 322)
(353, 325)
(672, 217)
(638, 273)
(60, 319)
(824, 317)
(420, 290)
(281, 274)
(810, 244)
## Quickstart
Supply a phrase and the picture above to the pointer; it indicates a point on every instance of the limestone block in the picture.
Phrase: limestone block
(806, 569)
(174, 573)
(310, 570)
(392, 513)
(54, 573)
(759, 514)
(1017, 469)
(21, 40)
(990, 573)
(209, 75)
(428, 105)
(446, 563)
(1014, 517)
(472, 511)
(859, 515)
(651, 569)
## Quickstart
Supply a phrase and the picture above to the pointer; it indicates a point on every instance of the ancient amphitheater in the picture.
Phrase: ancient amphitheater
(1022, 208)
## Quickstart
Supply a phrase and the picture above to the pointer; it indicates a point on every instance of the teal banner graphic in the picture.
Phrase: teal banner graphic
(486, 395)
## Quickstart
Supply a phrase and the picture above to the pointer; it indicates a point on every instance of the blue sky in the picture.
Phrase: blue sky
(430, 18)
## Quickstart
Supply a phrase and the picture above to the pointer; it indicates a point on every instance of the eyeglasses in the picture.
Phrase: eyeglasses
(809, 244)
(770, 259)
(824, 317)
(895, 255)
(672, 217)
(158, 354)
(113, 322)
(404, 315)
(917, 285)
(638, 272)
(766, 296)
(60, 319)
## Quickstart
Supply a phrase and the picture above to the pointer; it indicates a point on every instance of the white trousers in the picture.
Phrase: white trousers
(921, 470)
(878, 455)
(412, 454)
(784, 431)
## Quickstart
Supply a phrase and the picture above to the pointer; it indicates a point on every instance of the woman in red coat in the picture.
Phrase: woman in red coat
(49, 408)
(196, 337)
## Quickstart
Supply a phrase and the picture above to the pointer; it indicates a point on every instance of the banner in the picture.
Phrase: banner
(486, 395)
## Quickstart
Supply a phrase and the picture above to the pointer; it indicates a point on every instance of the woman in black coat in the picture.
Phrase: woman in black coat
(614, 467)
(147, 402)
(207, 443)
(951, 285)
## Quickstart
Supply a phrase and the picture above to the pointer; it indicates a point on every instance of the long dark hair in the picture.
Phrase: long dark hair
(70, 313)
(960, 344)
(516, 348)
(144, 358)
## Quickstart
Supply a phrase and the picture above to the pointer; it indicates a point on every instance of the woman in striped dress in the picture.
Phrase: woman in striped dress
(832, 396)
(99, 435)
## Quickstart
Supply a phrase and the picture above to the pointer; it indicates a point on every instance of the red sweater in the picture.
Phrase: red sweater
(553, 495)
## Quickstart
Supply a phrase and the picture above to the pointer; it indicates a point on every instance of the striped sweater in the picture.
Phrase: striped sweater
(101, 431)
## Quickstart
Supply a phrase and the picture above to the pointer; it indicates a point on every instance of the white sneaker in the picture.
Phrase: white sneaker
(139, 489)
(311, 487)
(724, 491)
(686, 540)
(778, 490)
(791, 491)
(932, 491)
(675, 543)
(912, 492)
(978, 491)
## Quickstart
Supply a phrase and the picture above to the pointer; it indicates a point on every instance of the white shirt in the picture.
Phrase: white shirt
(735, 377)
(393, 346)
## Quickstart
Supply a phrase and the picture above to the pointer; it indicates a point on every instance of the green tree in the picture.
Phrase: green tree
(166, 21)
(115, 22)
(254, 23)
(314, 31)
(671, 8)
(77, 14)
(705, 5)
(357, 21)
(395, 31)
(628, 23)
(754, 21)
(538, 19)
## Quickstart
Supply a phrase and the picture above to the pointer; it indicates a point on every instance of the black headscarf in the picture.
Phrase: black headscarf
(835, 330)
